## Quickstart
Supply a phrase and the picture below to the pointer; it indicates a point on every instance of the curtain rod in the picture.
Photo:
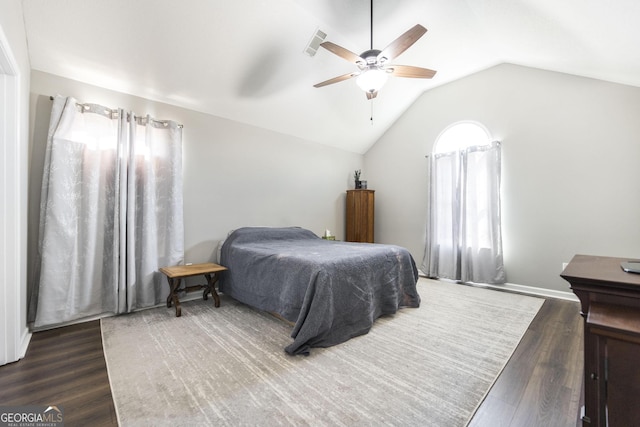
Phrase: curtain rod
(114, 114)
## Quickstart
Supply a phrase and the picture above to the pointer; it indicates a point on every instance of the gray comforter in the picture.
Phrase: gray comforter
(332, 291)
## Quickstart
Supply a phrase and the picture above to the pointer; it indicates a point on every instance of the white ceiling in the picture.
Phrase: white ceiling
(244, 60)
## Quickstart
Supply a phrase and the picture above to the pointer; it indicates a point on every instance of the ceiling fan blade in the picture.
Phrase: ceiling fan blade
(336, 79)
(402, 43)
(371, 95)
(342, 52)
(410, 71)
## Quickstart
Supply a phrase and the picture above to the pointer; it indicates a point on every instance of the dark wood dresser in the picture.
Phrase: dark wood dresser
(610, 304)
(359, 221)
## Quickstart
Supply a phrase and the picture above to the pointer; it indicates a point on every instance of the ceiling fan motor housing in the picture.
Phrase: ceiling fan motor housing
(370, 56)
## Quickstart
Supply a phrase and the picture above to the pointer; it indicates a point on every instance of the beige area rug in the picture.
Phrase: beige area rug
(430, 366)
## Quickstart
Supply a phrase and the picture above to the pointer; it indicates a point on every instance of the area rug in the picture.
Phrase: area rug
(226, 366)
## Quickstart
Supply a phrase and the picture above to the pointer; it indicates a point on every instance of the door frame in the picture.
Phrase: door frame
(14, 334)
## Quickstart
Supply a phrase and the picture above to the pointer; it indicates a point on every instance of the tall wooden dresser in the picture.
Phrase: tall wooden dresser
(610, 305)
(359, 222)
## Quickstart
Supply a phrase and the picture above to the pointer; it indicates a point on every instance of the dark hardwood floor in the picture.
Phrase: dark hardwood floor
(540, 385)
(63, 367)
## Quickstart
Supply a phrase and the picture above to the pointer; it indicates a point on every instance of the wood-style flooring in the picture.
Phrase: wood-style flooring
(540, 385)
(63, 367)
(542, 382)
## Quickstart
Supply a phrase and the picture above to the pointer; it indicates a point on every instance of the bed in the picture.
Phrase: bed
(331, 291)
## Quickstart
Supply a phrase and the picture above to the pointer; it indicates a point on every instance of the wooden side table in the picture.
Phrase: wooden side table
(176, 273)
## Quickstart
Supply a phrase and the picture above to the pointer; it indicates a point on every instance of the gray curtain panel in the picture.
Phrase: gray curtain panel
(464, 237)
(110, 213)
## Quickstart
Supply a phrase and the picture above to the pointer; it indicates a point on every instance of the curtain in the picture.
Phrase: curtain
(464, 237)
(110, 213)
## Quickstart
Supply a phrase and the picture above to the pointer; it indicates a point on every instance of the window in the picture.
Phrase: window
(464, 239)
(461, 135)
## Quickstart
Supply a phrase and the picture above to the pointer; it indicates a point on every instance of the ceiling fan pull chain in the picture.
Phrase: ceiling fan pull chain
(371, 118)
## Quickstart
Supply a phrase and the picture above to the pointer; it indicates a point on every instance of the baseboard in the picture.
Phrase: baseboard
(523, 289)
(532, 290)
(24, 342)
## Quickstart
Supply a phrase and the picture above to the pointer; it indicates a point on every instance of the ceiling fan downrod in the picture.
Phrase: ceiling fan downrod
(371, 25)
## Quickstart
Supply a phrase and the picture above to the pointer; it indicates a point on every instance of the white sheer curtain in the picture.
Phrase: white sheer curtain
(110, 214)
(464, 237)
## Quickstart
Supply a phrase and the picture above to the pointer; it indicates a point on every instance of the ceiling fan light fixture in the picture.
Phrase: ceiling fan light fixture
(372, 79)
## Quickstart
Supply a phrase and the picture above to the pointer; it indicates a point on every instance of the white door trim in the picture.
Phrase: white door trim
(14, 334)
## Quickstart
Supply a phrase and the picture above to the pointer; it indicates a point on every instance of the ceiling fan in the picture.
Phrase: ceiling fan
(374, 65)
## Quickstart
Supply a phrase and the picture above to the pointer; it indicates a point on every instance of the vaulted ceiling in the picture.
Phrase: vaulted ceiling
(244, 60)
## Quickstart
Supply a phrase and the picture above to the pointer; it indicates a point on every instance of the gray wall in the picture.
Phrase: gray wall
(571, 171)
(234, 175)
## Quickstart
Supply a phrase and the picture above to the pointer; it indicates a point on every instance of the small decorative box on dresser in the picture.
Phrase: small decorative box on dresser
(610, 305)
(359, 221)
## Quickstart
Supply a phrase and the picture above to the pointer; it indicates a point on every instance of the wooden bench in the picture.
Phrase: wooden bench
(176, 273)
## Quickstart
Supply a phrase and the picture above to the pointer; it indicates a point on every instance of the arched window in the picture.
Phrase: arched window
(461, 135)
(464, 239)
